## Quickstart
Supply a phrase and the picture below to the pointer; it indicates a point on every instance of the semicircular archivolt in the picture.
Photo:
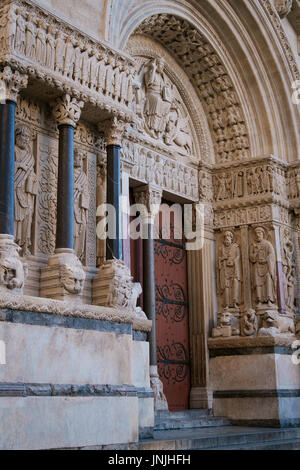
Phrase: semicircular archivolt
(210, 79)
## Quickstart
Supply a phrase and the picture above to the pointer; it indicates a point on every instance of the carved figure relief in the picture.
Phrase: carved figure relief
(81, 204)
(263, 259)
(229, 272)
(26, 188)
(161, 108)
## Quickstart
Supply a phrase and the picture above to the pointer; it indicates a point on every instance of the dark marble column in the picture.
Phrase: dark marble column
(66, 111)
(114, 245)
(7, 167)
(149, 288)
(65, 188)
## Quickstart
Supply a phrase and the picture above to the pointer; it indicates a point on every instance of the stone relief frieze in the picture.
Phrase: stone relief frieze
(148, 166)
(208, 74)
(243, 216)
(52, 51)
(254, 182)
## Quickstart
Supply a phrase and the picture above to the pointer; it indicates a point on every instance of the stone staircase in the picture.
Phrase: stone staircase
(200, 430)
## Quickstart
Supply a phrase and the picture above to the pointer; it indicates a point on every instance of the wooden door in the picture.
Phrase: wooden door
(172, 316)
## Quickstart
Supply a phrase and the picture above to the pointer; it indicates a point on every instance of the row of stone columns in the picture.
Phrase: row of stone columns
(64, 276)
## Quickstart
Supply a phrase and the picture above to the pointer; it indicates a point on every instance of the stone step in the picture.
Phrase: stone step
(201, 422)
(272, 445)
(182, 414)
(225, 437)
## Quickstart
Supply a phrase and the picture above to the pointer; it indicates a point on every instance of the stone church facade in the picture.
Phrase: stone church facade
(146, 102)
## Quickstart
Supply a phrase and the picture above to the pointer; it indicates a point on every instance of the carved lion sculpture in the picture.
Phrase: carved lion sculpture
(12, 270)
(274, 324)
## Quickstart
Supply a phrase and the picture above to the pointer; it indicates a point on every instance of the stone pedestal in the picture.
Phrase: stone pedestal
(63, 278)
(255, 381)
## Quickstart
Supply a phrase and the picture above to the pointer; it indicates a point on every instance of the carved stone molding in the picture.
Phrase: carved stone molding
(283, 7)
(11, 82)
(67, 110)
(12, 301)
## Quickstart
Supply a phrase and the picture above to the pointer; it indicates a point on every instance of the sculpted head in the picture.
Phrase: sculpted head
(72, 279)
(78, 158)
(23, 137)
(225, 319)
(160, 64)
(260, 234)
(228, 238)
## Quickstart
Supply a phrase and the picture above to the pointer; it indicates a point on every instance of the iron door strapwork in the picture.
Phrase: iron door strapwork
(172, 326)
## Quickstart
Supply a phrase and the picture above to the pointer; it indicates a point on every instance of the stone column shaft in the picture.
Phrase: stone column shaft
(65, 189)
(114, 246)
(149, 288)
(7, 167)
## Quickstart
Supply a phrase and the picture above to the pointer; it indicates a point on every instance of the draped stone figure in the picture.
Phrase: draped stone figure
(158, 98)
(229, 267)
(26, 188)
(81, 204)
(263, 258)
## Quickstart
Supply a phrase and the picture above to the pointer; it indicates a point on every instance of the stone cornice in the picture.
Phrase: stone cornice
(69, 309)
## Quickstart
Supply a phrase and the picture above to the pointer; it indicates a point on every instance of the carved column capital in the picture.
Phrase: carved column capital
(150, 197)
(11, 82)
(67, 110)
(113, 130)
(283, 7)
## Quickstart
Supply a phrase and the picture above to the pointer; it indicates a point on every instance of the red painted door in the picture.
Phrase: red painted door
(172, 315)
